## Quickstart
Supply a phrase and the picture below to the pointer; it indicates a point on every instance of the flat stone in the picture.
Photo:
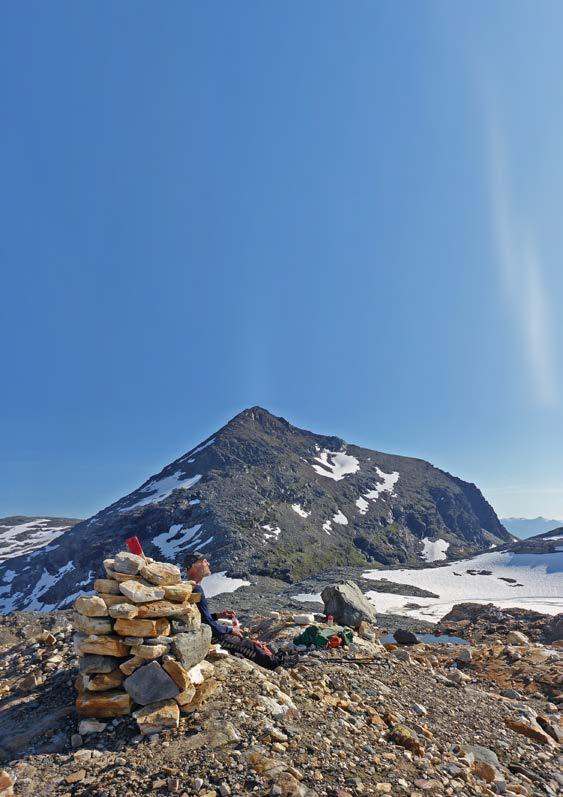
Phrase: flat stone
(139, 593)
(127, 562)
(178, 593)
(157, 717)
(128, 667)
(101, 682)
(133, 641)
(103, 704)
(112, 600)
(126, 610)
(91, 726)
(97, 664)
(186, 696)
(143, 628)
(91, 606)
(186, 611)
(150, 684)
(149, 652)
(161, 573)
(92, 625)
(178, 673)
(104, 646)
(107, 585)
(191, 647)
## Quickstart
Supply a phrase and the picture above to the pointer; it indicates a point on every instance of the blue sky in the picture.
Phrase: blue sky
(347, 214)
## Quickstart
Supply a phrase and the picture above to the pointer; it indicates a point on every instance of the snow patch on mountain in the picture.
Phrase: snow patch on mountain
(161, 489)
(300, 511)
(172, 542)
(274, 533)
(45, 582)
(197, 450)
(434, 550)
(340, 518)
(336, 464)
(327, 526)
(387, 485)
(25, 537)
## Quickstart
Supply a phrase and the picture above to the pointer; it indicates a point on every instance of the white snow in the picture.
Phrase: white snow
(172, 542)
(434, 550)
(87, 580)
(25, 537)
(161, 489)
(305, 597)
(46, 581)
(274, 532)
(218, 583)
(557, 537)
(300, 511)
(327, 526)
(336, 464)
(387, 485)
(540, 574)
(195, 502)
(362, 505)
(340, 518)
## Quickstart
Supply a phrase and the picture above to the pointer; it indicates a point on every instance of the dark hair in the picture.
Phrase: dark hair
(192, 558)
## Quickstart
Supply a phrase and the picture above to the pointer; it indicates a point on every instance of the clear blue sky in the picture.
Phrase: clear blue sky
(349, 214)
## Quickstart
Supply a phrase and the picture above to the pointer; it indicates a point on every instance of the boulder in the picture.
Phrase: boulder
(104, 646)
(531, 729)
(103, 704)
(142, 628)
(139, 593)
(92, 625)
(483, 761)
(347, 604)
(126, 610)
(159, 716)
(149, 684)
(91, 726)
(517, 638)
(404, 637)
(91, 606)
(126, 562)
(177, 593)
(192, 647)
(161, 573)
(97, 664)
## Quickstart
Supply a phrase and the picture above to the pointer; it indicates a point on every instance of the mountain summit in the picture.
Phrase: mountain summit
(264, 497)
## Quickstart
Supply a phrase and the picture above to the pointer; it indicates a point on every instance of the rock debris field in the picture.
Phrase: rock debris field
(400, 719)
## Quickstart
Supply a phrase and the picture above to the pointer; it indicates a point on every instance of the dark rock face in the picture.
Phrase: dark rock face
(554, 629)
(21, 534)
(347, 604)
(266, 498)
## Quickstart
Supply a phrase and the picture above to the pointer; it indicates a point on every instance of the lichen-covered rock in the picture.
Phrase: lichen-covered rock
(125, 610)
(104, 646)
(142, 627)
(102, 682)
(126, 562)
(92, 625)
(107, 585)
(149, 652)
(161, 573)
(178, 593)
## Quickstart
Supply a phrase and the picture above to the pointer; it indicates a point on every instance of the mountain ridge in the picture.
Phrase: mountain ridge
(263, 497)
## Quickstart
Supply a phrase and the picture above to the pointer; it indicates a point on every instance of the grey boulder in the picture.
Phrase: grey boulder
(347, 604)
(192, 647)
(404, 637)
(149, 684)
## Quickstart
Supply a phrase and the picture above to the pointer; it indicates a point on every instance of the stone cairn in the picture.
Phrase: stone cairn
(141, 645)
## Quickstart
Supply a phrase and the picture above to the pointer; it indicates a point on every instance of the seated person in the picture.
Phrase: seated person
(230, 637)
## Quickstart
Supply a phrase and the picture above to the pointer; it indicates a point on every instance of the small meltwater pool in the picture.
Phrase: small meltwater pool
(429, 639)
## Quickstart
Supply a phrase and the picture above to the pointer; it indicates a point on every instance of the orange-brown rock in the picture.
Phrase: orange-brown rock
(91, 606)
(103, 704)
(530, 729)
(111, 600)
(142, 627)
(179, 674)
(157, 717)
(161, 573)
(104, 646)
(202, 692)
(128, 667)
(164, 609)
(103, 681)
(107, 585)
(178, 593)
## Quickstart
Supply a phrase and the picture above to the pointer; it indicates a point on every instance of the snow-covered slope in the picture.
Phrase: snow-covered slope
(21, 534)
(505, 578)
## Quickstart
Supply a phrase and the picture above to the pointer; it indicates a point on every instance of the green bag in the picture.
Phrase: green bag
(314, 635)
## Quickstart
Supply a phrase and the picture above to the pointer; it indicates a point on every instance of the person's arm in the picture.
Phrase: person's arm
(218, 629)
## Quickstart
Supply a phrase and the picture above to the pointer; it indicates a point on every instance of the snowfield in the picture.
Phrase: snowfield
(336, 464)
(389, 480)
(540, 577)
(218, 583)
(434, 551)
(26, 537)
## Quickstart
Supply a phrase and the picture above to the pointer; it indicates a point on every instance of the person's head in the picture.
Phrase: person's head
(197, 566)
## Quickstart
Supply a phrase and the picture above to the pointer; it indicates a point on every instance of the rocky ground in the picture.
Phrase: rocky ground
(413, 720)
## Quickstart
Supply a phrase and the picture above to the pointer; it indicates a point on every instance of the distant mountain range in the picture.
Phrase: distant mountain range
(529, 527)
(21, 534)
(264, 497)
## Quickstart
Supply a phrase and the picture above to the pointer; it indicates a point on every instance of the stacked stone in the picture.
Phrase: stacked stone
(141, 645)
